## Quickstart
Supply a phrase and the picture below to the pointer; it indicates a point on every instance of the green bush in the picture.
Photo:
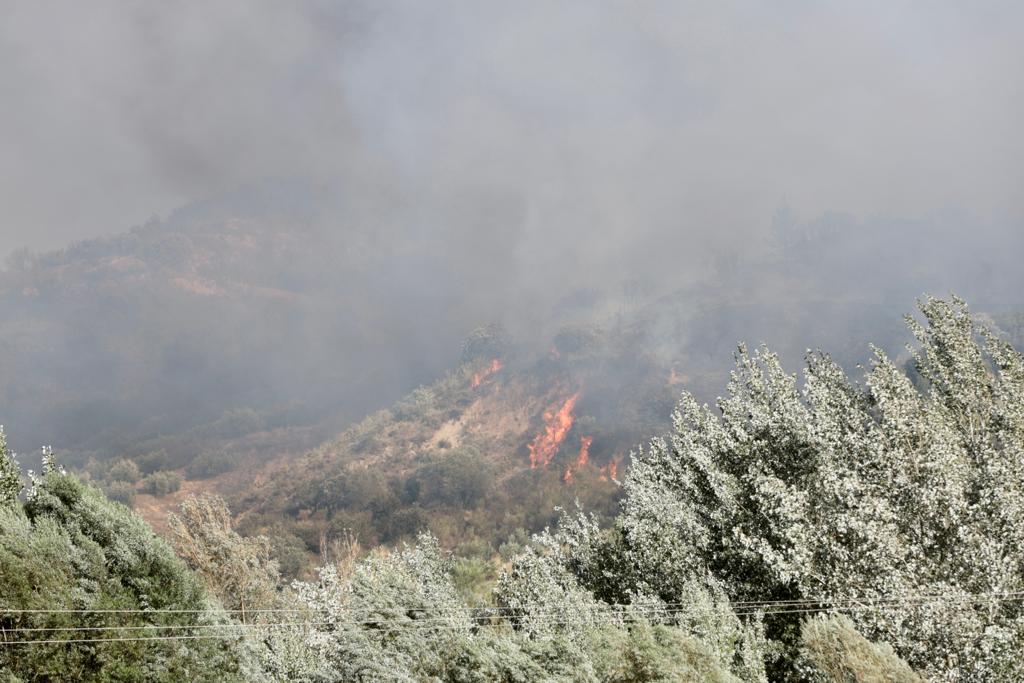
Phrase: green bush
(289, 551)
(123, 470)
(69, 548)
(168, 452)
(161, 483)
(358, 523)
(211, 463)
(834, 648)
(357, 489)
(416, 405)
(473, 578)
(462, 479)
(489, 341)
(155, 460)
(402, 523)
(120, 491)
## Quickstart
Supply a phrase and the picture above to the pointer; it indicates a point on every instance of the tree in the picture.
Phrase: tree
(394, 616)
(398, 616)
(239, 571)
(556, 576)
(906, 501)
(161, 483)
(10, 474)
(835, 650)
(488, 341)
(241, 574)
(71, 559)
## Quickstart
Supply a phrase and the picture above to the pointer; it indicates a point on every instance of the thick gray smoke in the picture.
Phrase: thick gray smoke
(461, 162)
(605, 122)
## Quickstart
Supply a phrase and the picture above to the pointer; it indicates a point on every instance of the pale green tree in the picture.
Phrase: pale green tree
(899, 500)
(10, 473)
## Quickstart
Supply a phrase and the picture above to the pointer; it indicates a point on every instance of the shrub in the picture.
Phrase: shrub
(357, 523)
(461, 478)
(289, 551)
(161, 483)
(10, 474)
(239, 571)
(120, 491)
(416, 405)
(155, 460)
(357, 489)
(832, 646)
(68, 548)
(123, 470)
(489, 341)
(211, 463)
(402, 523)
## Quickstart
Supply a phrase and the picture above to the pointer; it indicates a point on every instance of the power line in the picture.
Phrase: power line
(737, 603)
(156, 627)
(61, 641)
(422, 624)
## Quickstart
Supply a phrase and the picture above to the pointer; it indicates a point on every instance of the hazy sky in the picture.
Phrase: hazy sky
(620, 118)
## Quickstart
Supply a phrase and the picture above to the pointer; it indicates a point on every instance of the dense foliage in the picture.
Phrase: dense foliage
(71, 559)
(899, 501)
(829, 531)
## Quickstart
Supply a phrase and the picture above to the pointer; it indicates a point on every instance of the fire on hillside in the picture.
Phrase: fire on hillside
(558, 421)
(480, 376)
(581, 460)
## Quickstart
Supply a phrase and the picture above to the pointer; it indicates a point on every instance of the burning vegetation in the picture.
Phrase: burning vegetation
(557, 423)
(581, 460)
(480, 376)
(611, 470)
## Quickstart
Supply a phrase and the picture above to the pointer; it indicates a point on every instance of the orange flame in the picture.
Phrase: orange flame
(557, 424)
(479, 377)
(582, 460)
(611, 470)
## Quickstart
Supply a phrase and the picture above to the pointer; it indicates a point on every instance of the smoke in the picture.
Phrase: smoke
(461, 162)
(608, 125)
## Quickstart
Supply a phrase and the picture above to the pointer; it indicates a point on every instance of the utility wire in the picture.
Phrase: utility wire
(421, 624)
(530, 612)
(738, 603)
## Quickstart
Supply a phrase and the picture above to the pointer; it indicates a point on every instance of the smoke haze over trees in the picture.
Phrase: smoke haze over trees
(366, 269)
(441, 168)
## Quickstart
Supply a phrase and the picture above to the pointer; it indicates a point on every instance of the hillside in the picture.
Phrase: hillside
(732, 509)
(248, 346)
(238, 303)
(493, 448)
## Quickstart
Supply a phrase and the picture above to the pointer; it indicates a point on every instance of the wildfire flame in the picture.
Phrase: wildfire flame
(583, 459)
(557, 424)
(480, 376)
(611, 470)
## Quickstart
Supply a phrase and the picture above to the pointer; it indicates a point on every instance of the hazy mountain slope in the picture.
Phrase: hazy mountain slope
(238, 303)
(232, 343)
(492, 447)
(500, 442)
